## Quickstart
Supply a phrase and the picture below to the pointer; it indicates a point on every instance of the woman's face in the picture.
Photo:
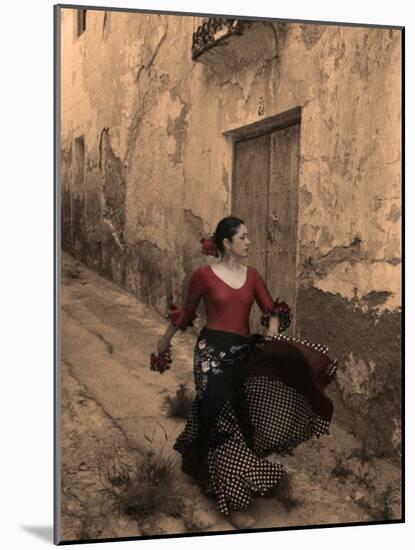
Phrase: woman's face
(240, 242)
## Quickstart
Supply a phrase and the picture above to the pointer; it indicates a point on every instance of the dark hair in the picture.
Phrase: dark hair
(226, 229)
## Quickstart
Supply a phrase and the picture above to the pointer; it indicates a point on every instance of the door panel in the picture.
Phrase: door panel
(251, 202)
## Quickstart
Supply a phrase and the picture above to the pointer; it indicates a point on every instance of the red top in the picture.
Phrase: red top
(227, 308)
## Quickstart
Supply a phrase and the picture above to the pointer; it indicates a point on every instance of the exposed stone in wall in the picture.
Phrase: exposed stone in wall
(177, 128)
(368, 346)
(94, 215)
(154, 276)
(317, 264)
(147, 270)
(113, 191)
(375, 298)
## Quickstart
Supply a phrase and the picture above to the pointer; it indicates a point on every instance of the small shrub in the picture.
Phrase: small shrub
(383, 511)
(179, 406)
(143, 489)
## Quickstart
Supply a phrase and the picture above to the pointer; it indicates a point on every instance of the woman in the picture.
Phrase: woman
(255, 395)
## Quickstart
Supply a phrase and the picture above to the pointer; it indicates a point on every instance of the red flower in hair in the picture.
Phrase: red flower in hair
(209, 247)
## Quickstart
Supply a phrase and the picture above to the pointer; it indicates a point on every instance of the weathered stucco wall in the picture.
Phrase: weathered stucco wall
(158, 171)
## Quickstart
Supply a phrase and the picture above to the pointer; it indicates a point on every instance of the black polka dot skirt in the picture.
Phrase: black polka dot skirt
(245, 409)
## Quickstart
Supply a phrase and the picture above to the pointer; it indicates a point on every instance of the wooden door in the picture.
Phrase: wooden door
(265, 196)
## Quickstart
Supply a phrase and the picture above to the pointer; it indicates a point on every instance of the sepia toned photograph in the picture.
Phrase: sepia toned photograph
(229, 322)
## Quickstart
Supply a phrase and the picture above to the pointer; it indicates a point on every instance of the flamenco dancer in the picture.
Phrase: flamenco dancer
(256, 394)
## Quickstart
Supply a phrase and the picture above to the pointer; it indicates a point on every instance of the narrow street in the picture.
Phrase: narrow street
(113, 405)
